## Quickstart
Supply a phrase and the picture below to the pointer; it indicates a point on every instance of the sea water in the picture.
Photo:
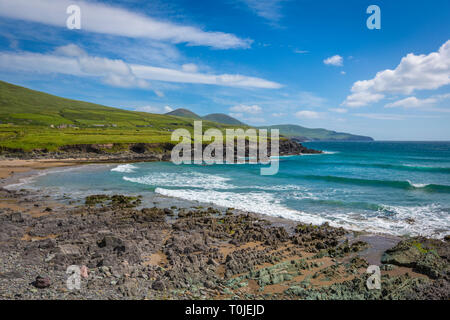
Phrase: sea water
(400, 188)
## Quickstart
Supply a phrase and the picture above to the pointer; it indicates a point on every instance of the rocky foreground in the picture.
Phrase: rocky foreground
(201, 253)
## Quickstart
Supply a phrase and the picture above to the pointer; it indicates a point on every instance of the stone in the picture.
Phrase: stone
(158, 285)
(41, 283)
(69, 250)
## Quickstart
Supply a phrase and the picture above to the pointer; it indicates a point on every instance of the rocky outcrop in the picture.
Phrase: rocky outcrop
(427, 256)
(134, 151)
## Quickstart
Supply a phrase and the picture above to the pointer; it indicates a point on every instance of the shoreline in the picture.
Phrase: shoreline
(336, 256)
(29, 169)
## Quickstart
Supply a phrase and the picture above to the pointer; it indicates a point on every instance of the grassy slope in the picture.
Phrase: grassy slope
(26, 116)
(292, 131)
(223, 118)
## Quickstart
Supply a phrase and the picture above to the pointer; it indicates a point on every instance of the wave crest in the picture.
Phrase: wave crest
(124, 168)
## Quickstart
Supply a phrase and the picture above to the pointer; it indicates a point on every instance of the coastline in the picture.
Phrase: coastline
(232, 252)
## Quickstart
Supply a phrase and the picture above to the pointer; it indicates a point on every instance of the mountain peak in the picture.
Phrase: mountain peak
(181, 112)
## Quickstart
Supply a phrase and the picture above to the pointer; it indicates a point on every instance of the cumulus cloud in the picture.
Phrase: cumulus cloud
(70, 60)
(336, 60)
(242, 108)
(415, 72)
(306, 114)
(117, 21)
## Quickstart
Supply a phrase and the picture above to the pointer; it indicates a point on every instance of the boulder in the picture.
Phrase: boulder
(41, 283)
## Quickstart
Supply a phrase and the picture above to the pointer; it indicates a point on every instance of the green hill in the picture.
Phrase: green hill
(183, 113)
(305, 134)
(223, 118)
(35, 120)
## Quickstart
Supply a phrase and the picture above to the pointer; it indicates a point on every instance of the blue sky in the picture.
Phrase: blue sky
(307, 62)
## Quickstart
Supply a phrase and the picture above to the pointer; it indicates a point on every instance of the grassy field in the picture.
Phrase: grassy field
(35, 120)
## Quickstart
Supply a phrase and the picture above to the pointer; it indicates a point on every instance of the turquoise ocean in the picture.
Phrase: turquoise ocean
(400, 188)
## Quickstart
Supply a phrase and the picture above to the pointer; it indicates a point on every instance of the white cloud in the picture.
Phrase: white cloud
(254, 109)
(415, 72)
(359, 99)
(159, 93)
(106, 19)
(411, 102)
(154, 109)
(231, 80)
(238, 115)
(277, 115)
(70, 61)
(70, 50)
(338, 110)
(267, 9)
(336, 60)
(306, 114)
(189, 67)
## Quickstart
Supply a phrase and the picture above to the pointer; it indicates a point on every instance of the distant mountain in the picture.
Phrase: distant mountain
(215, 117)
(183, 113)
(288, 130)
(223, 118)
(305, 134)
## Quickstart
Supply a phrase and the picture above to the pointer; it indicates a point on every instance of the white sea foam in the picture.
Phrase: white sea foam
(318, 154)
(258, 202)
(185, 179)
(125, 168)
(418, 185)
(427, 220)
